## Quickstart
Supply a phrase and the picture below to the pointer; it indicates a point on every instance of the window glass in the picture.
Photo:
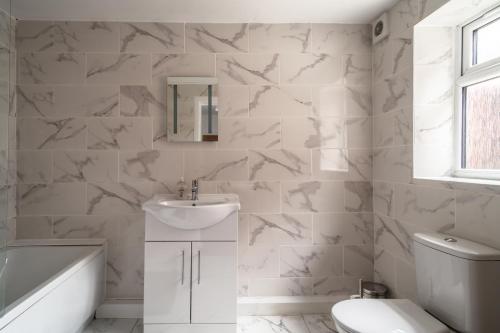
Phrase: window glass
(487, 40)
(482, 125)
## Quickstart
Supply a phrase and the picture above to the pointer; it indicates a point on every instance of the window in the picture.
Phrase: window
(478, 89)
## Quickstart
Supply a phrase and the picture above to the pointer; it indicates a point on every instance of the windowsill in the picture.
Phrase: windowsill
(474, 184)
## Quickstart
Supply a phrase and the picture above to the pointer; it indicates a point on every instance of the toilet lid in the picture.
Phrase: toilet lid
(385, 316)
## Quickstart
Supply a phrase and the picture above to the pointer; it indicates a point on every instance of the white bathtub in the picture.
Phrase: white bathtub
(52, 288)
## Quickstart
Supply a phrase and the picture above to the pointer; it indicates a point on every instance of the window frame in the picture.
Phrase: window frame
(467, 75)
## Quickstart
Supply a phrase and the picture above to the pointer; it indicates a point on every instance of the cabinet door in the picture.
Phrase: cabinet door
(214, 283)
(167, 277)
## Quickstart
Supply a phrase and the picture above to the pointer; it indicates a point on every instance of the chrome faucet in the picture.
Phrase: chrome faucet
(194, 190)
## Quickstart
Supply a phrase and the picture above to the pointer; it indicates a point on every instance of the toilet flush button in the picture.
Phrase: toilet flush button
(450, 240)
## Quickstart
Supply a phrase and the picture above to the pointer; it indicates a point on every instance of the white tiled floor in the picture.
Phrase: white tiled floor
(320, 323)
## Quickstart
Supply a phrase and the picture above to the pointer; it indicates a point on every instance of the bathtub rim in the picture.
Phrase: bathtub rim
(23, 303)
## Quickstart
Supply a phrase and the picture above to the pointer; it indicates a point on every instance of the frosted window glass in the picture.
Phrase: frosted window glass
(482, 125)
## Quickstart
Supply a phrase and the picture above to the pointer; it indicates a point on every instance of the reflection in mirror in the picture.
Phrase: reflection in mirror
(192, 114)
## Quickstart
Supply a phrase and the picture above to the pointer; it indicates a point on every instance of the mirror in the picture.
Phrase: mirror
(192, 109)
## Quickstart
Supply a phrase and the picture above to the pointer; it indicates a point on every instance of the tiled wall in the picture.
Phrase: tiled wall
(400, 206)
(295, 143)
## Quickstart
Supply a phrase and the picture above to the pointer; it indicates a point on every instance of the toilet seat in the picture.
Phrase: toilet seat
(384, 316)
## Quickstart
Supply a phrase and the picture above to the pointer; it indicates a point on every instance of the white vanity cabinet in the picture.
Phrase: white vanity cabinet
(214, 282)
(190, 277)
(167, 286)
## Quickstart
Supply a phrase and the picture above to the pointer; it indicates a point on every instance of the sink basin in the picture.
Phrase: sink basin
(209, 210)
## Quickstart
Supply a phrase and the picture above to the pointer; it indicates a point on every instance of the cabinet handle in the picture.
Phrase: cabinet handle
(199, 265)
(182, 274)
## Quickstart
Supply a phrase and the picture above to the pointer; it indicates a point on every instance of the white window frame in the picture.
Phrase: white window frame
(469, 74)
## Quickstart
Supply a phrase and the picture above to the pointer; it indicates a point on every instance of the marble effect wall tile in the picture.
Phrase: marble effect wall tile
(312, 196)
(116, 198)
(34, 167)
(393, 164)
(358, 261)
(310, 69)
(81, 166)
(281, 287)
(119, 133)
(343, 229)
(442, 45)
(255, 197)
(385, 269)
(384, 198)
(307, 261)
(48, 133)
(216, 165)
(5, 28)
(142, 101)
(233, 101)
(342, 164)
(279, 164)
(477, 217)
(334, 286)
(152, 37)
(34, 227)
(285, 146)
(165, 65)
(281, 229)
(358, 100)
(125, 256)
(434, 123)
(118, 68)
(341, 38)
(313, 133)
(61, 101)
(258, 261)
(427, 207)
(357, 69)
(329, 101)
(358, 196)
(383, 130)
(260, 69)
(51, 68)
(359, 132)
(216, 38)
(282, 38)
(249, 133)
(46, 36)
(402, 17)
(328, 38)
(51, 199)
(436, 84)
(276, 101)
(392, 94)
(406, 280)
(394, 237)
(151, 165)
(381, 60)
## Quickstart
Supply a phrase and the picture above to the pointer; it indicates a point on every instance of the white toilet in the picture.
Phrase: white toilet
(458, 285)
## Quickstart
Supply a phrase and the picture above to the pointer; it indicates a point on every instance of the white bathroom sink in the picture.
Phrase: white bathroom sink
(209, 210)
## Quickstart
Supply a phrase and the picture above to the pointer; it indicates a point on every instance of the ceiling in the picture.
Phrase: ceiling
(217, 11)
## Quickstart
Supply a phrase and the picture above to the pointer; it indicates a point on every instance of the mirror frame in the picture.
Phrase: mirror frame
(175, 81)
